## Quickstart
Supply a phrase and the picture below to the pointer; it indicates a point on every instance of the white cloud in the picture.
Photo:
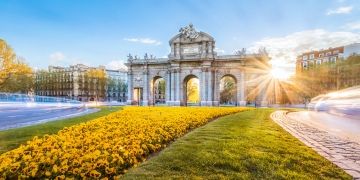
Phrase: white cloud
(60, 59)
(352, 26)
(340, 10)
(57, 57)
(143, 40)
(283, 50)
(115, 65)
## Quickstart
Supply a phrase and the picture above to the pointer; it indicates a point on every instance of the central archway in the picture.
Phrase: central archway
(191, 95)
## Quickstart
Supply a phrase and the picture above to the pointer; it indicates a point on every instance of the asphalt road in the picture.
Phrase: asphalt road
(341, 126)
(13, 117)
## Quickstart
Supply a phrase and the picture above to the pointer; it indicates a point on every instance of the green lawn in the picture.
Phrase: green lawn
(12, 138)
(246, 145)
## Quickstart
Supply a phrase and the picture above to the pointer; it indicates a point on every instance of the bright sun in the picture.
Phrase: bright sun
(278, 73)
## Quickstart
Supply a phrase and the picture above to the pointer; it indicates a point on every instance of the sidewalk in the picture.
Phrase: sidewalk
(342, 152)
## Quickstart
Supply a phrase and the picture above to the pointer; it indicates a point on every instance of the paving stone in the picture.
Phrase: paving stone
(341, 151)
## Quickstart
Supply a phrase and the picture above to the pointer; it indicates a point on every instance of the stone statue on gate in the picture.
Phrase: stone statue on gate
(130, 58)
(262, 51)
(189, 32)
(241, 52)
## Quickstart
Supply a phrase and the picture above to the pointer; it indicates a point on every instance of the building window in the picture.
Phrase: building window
(326, 60)
(305, 57)
(305, 64)
(312, 56)
(333, 59)
(318, 62)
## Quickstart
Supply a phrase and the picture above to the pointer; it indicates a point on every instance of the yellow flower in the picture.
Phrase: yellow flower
(60, 177)
(33, 172)
(109, 144)
(55, 168)
(94, 173)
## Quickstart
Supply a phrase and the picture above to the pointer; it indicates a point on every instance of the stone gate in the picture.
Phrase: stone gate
(192, 56)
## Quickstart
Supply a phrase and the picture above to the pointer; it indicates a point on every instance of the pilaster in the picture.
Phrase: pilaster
(172, 88)
(145, 101)
(178, 84)
(203, 87)
(130, 87)
(216, 93)
(241, 90)
(209, 88)
(168, 87)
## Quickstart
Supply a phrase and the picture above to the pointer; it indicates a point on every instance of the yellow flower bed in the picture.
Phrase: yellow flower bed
(107, 146)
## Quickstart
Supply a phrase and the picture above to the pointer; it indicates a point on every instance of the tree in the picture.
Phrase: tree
(228, 90)
(15, 74)
(328, 76)
(159, 91)
(96, 79)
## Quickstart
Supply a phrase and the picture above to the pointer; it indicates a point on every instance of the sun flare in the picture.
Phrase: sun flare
(279, 73)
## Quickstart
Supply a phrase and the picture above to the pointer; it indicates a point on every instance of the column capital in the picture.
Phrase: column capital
(204, 69)
(176, 70)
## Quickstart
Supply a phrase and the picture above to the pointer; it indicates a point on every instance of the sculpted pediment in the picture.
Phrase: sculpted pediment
(188, 35)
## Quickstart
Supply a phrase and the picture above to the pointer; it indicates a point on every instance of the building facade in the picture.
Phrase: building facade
(332, 55)
(192, 56)
(320, 72)
(83, 83)
(116, 88)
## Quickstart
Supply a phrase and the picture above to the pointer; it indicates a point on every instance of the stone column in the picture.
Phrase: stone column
(172, 89)
(241, 89)
(130, 88)
(216, 89)
(209, 88)
(168, 86)
(203, 87)
(146, 89)
(177, 83)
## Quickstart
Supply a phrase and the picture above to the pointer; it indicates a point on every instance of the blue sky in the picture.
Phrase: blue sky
(97, 32)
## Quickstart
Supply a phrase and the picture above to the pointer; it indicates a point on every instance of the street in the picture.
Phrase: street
(341, 126)
(13, 117)
(326, 134)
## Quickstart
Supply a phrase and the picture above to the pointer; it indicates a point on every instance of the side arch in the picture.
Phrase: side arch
(228, 90)
(158, 90)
